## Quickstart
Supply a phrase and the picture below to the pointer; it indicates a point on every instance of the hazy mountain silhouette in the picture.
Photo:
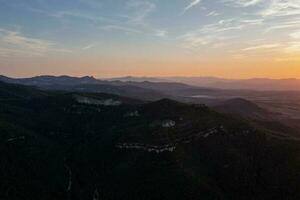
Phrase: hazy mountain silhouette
(222, 83)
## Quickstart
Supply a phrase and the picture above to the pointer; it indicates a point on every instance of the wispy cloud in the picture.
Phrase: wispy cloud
(140, 9)
(191, 5)
(72, 14)
(288, 24)
(160, 33)
(88, 47)
(15, 39)
(262, 47)
(193, 40)
(293, 47)
(229, 25)
(213, 13)
(134, 20)
(80, 14)
(92, 3)
(280, 8)
(243, 21)
(287, 59)
(243, 3)
(290, 52)
(295, 35)
(14, 43)
(137, 21)
(216, 34)
(120, 28)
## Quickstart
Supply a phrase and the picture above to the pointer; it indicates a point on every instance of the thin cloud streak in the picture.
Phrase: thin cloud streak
(120, 28)
(89, 47)
(243, 3)
(191, 5)
(263, 46)
(213, 13)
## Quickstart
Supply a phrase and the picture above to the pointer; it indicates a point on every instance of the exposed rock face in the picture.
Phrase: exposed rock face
(96, 194)
(92, 101)
(133, 114)
(69, 186)
(148, 148)
(168, 123)
(16, 138)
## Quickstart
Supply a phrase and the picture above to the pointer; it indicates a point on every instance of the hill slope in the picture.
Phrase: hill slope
(244, 108)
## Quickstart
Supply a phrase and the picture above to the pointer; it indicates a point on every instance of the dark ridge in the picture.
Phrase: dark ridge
(240, 102)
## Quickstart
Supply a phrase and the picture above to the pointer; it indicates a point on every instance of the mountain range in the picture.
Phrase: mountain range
(79, 145)
(280, 106)
(262, 84)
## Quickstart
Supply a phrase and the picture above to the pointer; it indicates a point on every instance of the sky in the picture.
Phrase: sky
(111, 38)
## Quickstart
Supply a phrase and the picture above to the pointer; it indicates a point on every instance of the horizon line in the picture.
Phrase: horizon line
(154, 77)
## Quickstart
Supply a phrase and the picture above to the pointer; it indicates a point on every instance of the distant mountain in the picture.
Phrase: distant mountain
(51, 80)
(90, 84)
(137, 79)
(10, 92)
(48, 81)
(152, 91)
(66, 145)
(123, 90)
(197, 81)
(242, 84)
(262, 84)
(166, 87)
(142, 89)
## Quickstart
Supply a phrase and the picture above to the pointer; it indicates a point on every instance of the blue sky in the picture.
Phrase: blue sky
(150, 37)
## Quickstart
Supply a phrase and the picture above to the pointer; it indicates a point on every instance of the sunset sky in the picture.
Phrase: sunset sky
(109, 38)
